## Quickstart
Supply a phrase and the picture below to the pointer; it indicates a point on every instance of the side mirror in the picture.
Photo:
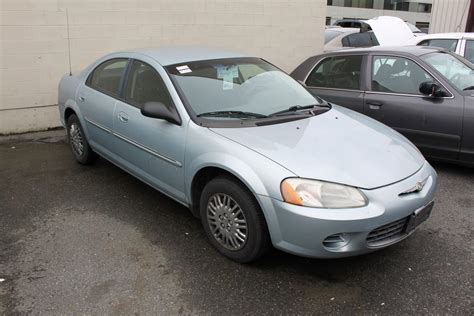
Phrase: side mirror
(160, 111)
(432, 89)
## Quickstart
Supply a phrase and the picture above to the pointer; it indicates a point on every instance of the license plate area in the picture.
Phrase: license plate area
(418, 217)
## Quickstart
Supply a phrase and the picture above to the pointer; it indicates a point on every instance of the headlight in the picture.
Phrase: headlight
(314, 193)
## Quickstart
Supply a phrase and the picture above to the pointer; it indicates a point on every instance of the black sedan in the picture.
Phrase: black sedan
(425, 93)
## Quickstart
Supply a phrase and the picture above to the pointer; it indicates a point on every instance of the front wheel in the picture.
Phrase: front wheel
(77, 141)
(233, 220)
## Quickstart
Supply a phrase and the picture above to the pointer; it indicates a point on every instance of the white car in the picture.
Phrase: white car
(374, 32)
(459, 43)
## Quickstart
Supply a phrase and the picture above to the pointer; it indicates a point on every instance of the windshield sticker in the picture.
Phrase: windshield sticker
(227, 74)
(183, 69)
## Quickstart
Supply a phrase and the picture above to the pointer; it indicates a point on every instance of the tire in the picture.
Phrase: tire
(228, 198)
(78, 143)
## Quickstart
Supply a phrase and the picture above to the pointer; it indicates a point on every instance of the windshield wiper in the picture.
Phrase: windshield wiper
(296, 108)
(468, 88)
(237, 114)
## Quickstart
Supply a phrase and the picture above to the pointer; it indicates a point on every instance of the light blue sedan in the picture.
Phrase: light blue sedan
(250, 151)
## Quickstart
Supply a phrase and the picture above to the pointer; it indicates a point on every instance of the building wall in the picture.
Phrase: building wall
(338, 10)
(449, 16)
(34, 50)
(337, 13)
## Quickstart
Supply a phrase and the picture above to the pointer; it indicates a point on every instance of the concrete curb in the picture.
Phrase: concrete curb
(51, 136)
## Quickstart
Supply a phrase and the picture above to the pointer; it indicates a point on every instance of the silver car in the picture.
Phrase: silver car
(250, 151)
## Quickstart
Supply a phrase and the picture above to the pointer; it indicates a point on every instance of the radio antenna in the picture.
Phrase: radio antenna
(68, 41)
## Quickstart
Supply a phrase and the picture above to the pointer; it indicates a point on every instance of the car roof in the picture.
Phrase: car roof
(343, 30)
(446, 35)
(179, 54)
(409, 50)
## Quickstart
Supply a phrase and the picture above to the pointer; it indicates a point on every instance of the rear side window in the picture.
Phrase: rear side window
(397, 75)
(342, 72)
(446, 43)
(469, 52)
(108, 76)
(144, 84)
(365, 39)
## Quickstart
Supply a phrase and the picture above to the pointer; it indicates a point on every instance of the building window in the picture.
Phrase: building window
(405, 5)
(328, 20)
(329, 2)
(359, 3)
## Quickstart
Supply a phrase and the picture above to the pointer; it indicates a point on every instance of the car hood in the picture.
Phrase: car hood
(384, 26)
(339, 146)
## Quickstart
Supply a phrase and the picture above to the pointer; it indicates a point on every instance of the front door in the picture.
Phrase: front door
(151, 148)
(432, 124)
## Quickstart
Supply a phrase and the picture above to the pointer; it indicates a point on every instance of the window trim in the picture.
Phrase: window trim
(369, 90)
(122, 78)
(362, 71)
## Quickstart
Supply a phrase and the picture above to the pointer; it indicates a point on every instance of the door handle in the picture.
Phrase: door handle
(82, 98)
(375, 105)
(123, 117)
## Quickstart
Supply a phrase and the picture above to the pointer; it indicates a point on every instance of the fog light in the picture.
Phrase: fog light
(336, 241)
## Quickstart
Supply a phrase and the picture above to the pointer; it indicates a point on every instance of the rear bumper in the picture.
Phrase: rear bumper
(302, 230)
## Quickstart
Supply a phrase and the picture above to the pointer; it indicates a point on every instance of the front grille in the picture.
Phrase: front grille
(388, 233)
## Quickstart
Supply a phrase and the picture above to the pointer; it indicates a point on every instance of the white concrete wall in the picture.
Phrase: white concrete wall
(34, 46)
(449, 16)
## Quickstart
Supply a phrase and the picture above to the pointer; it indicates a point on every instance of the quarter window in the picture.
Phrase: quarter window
(397, 75)
(446, 43)
(144, 84)
(341, 72)
(469, 52)
(108, 76)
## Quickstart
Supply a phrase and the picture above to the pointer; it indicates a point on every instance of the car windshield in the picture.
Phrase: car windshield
(460, 74)
(237, 88)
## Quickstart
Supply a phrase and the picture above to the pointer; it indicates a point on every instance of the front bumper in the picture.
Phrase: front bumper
(302, 230)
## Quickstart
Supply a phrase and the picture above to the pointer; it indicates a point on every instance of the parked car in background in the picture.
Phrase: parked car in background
(373, 32)
(250, 151)
(425, 93)
(360, 24)
(339, 38)
(459, 43)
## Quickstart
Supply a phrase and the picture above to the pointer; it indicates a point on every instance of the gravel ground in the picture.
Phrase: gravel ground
(95, 240)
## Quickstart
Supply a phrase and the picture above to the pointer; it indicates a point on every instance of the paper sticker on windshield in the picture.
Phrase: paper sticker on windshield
(227, 74)
(183, 69)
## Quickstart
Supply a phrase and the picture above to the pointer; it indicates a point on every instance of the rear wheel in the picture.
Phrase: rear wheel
(233, 220)
(78, 143)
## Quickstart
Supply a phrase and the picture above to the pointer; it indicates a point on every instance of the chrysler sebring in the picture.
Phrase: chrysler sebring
(253, 154)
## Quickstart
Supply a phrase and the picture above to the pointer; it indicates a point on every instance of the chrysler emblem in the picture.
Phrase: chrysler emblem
(417, 188)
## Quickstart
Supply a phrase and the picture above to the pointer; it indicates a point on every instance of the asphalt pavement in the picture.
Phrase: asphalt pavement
(94, 240)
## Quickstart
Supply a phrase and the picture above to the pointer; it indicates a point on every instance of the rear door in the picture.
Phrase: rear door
(337, 79)
(433, 124)
(96, 99)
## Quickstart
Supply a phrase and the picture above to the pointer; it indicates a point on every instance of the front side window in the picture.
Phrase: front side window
(446, 43)
(108, 76)
(342, 72)
(144, 84)
(397, 75)
(222, 88)
(459, 73)
(469, 51)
